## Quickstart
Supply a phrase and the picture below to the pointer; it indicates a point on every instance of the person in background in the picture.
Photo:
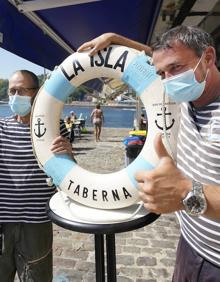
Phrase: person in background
(143, 122)
(70, 128)
(73, 116)
(68, 123)
(185, 58)
(26, 231)
(97, 118)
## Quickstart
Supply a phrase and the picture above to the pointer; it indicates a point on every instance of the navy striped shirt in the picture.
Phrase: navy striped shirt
(199, 159)
(23, 188)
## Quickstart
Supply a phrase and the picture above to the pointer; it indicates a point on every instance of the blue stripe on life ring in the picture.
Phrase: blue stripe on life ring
(138, 164)
(58, 86)
(139, 74)
(58, 166)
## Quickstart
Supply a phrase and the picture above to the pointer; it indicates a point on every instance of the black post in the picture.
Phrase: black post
(99, 258)
(111, 258)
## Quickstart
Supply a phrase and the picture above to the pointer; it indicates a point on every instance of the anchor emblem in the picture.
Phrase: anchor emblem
(39, 124)
(167, 127)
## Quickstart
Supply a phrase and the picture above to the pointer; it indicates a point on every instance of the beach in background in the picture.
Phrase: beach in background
(117, 117)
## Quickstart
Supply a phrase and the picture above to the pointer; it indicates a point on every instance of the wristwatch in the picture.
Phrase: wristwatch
(195, 202)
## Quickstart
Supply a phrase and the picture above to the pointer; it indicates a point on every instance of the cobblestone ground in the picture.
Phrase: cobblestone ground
(143, 255)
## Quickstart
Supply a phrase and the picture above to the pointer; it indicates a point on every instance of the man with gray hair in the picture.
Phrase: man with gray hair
(186, 60)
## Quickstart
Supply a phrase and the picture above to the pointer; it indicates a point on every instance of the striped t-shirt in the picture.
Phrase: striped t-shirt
(23, 188)
(199, 159)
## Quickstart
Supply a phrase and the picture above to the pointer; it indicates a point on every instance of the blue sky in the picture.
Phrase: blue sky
(10, 62)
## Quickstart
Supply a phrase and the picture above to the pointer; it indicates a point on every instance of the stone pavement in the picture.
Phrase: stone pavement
(144, 255)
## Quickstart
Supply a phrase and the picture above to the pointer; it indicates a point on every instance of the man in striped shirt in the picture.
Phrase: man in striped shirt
(26, 229)
(186, 60)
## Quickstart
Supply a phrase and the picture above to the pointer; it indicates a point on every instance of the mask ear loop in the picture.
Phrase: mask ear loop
(197, 67)
(206, 75)
(198, 63)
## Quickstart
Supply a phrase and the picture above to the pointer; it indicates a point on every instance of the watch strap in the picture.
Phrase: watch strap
(197, 187)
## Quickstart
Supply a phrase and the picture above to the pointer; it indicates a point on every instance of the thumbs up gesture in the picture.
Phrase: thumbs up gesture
(163, 188)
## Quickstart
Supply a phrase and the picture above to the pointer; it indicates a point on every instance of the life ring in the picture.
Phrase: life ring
(101, 191)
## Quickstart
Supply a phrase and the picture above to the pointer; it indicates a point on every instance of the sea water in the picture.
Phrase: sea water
(115, 117)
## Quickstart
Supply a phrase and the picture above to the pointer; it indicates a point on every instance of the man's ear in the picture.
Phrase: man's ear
(210, 56)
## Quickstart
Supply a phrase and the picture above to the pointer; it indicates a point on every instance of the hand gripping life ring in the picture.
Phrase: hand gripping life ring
(101, 191)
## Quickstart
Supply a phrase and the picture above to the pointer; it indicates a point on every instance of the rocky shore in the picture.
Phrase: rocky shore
(143, 255)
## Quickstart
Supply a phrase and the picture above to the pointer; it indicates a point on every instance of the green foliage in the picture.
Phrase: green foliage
(79, 93)
(3, 89)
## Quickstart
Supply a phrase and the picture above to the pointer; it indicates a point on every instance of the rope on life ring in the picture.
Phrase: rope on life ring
(112, 190)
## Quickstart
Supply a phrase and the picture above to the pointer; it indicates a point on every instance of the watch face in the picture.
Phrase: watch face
(191, 202)
(196, 205)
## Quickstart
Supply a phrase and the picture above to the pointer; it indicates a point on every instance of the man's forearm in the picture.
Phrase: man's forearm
(212, 194)
(121, 40)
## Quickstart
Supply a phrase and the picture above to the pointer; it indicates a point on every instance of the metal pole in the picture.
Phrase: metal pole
(111, 258)
(99, 258)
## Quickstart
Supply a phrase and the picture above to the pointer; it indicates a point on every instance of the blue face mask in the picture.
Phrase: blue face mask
(184, 87)
(20, 105)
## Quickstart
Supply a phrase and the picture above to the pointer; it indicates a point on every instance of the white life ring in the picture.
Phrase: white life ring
(101, 191)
